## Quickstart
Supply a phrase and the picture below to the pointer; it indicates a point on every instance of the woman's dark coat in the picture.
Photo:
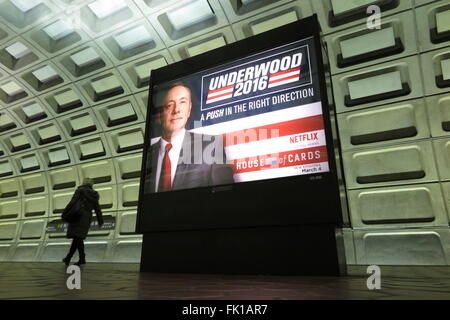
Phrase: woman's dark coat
(80, 228)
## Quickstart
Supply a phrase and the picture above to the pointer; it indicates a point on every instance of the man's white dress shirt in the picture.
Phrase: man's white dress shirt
(174, 155)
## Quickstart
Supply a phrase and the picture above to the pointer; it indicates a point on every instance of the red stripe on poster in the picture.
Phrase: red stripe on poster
(284, 79)
(284, 72)
(220, 95)
(221, 89)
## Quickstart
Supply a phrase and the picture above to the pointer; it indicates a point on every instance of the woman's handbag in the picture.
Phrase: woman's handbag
(74, 210)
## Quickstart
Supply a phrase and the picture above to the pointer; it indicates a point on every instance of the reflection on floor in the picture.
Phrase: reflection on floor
(123, 281)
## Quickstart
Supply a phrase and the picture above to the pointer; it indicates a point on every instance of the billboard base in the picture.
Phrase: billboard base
(277, 250)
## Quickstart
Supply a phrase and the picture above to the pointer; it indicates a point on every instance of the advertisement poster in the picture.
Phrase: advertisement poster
(258, 117)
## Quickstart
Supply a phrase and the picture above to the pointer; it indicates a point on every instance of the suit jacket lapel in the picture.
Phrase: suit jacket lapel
(154, 154)
(180, 173)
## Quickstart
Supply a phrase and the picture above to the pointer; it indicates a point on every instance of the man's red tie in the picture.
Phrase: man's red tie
(167, 169)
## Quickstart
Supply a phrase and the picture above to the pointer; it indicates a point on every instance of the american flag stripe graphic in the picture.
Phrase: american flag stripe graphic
(220, 94)
(284, 77)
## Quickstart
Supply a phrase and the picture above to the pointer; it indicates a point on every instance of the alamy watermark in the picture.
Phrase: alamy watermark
(374, 20)
(74, 280)
(195, 152)
(374, 280)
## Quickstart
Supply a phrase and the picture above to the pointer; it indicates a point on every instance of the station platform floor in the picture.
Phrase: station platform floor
(43, 281)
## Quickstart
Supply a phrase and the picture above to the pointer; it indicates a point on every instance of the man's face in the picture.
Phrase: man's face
(176, 110)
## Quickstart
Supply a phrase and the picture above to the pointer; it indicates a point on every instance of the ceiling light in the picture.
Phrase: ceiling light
(45, 74)
(105, 8)
(11, 88)
(58, 30)
(133, 38)
(18, 50)
(26, 5)
(190, 14)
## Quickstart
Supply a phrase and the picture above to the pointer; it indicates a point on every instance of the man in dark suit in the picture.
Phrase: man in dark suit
(181, 159)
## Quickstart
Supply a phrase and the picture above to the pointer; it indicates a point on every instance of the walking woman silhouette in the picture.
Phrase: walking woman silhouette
(78, 230)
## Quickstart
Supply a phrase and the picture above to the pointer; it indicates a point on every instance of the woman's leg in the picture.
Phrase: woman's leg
(73, 248)
(81, 252)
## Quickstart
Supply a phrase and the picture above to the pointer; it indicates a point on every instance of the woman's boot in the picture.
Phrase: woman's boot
(66, 260)
(81, 261)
